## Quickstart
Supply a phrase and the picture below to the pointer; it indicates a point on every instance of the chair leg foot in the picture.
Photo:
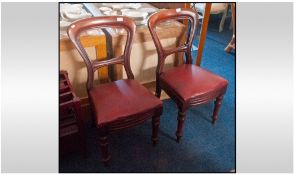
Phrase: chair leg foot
(104, 146)
(181, 118)
(155, 127)
(217, 105)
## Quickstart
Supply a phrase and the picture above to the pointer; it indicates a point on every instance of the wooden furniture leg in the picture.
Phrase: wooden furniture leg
(222, 22)
(181, 118)
(217, 105)
(82, 138)
(155, 127)
(232, 44)
(104, 145)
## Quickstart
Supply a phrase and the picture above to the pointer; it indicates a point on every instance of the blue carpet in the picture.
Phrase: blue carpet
(203, 148)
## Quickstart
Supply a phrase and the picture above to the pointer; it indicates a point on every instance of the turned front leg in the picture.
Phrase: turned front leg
(181, 118)
(217, 105)
(104, 146)
(155, 127)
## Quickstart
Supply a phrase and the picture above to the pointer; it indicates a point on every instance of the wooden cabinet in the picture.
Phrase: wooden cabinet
(71, 125)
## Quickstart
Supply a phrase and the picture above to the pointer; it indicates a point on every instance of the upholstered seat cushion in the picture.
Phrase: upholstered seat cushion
(122, 98)
(189, 81)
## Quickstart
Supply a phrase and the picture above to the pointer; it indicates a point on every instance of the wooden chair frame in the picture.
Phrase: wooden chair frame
(74, 31)
(217, 94)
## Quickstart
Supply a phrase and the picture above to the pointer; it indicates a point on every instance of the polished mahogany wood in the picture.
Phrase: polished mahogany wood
(119, 104)
(75, 29)
(186, 84)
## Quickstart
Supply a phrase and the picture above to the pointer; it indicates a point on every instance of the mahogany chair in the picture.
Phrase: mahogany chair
(122, 103)
(186, 84)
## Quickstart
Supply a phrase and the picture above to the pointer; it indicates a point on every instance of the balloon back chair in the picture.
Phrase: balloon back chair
(186, 84)
(122, 103)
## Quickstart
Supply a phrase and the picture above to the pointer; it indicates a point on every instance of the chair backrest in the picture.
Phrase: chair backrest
(179, 13)
(75, 29)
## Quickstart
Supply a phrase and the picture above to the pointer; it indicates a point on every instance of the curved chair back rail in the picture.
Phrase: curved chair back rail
(180, 13)
(76, 28)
